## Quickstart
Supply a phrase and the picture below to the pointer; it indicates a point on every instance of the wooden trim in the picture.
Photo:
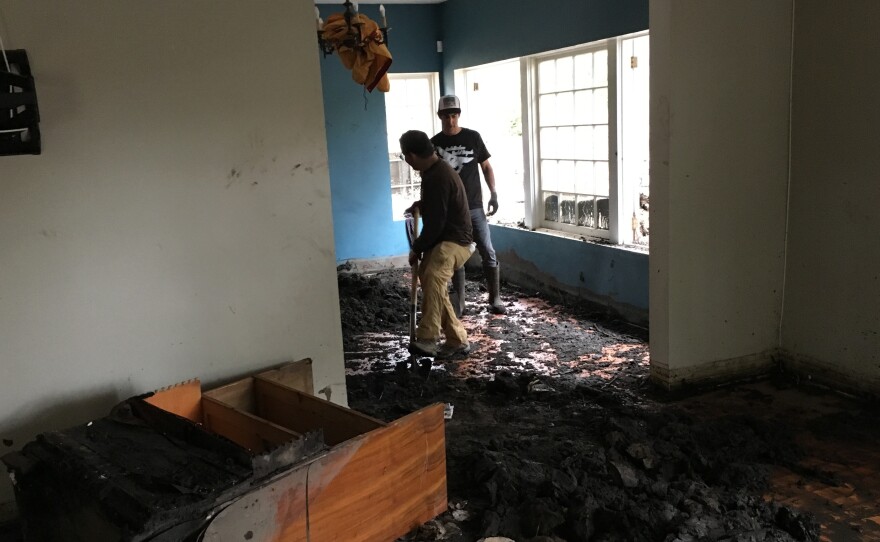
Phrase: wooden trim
(302, 412)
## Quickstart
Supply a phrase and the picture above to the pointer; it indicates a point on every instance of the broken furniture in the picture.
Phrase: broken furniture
(259, 459)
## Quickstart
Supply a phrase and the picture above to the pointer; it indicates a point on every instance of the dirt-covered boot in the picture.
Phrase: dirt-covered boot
(492, 281)
(457, 294)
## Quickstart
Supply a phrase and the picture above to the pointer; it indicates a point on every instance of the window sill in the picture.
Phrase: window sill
(643, 249)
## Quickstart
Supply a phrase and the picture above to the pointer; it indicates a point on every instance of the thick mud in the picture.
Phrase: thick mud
(556, 433)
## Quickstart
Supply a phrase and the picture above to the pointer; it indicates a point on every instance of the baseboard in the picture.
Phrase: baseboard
(826, 374)
(707, 375)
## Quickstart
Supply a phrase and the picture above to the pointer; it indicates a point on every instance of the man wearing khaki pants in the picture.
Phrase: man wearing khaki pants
(445, 243)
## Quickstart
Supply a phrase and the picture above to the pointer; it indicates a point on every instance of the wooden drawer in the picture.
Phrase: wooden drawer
(258, 459)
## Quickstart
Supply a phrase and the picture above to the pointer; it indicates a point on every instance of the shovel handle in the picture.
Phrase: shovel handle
(414, 291)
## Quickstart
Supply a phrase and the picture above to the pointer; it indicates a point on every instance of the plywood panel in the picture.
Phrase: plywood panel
(184, 399)
(238, 394)
(302, 412)
(276, 511)
(244, 429)
(381, 485)
(296, 375)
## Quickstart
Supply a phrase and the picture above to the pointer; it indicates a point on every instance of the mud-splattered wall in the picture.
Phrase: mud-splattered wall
(177, 223)
(720, 80)
(831, 324)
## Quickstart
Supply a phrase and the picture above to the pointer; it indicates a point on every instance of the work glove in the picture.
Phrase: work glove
(493, 204)
(416, 205)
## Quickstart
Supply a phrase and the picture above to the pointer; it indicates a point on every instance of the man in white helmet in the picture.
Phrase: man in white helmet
(464, 150)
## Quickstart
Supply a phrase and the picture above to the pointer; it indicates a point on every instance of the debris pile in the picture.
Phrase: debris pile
(560, 451)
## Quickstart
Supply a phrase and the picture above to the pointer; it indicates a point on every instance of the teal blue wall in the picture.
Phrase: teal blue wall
(474, 32)
(357, 147)
(477, 32)
(608, 275)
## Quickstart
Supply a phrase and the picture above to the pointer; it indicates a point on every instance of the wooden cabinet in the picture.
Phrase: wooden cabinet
(259, 459)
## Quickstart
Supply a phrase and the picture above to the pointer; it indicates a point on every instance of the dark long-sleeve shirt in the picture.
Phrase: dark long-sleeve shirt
(444, 209)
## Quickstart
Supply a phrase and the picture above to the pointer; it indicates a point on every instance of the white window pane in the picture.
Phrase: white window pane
(565, 108)
(549, 178)
(600, 68)
(564, 73)
(583, 70)
(600, 143)
(565, 142)
(547, 110)
(551, 206)
(567, 209)
(565, 171)
(583, 142)
(584, 180)
(600, 106)
(549, 147)
(586, 210)
(546, 76)
(601, 172)
(583, 107)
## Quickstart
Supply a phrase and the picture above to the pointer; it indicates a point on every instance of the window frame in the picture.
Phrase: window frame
(394, 161)
(534, 204)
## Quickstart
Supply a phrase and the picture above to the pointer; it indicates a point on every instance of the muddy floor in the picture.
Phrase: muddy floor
(557, 434)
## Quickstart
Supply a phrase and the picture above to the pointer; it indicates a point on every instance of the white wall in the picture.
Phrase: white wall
(177, 223)
(719, 173)
(832, 299)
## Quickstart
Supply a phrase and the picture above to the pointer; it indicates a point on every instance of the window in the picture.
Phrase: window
(572, 143)
(584, 135)
(492, 105)
(409, 105)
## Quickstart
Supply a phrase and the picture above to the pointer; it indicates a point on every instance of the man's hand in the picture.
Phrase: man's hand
(493, 204)
(413, 258)
(413, 207)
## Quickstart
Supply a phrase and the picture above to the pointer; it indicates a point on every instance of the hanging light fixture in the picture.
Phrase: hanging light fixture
(360, 42)
(350, 29)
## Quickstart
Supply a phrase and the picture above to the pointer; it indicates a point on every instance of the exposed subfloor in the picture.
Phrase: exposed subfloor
(557, 434)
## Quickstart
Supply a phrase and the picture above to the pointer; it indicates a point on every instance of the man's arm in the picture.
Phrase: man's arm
(489, 175)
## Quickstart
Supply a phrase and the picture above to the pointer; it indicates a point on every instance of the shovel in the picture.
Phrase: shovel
(412, 232)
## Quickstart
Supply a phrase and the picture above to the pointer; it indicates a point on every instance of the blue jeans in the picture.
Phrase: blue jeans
(481, 237)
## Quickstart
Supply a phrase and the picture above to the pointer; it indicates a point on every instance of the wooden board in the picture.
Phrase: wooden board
(296, 375)
(381, 485)
(255, 516)
(302, 412)
(243, 428)
(184, 399)
(375, 487)
(238, 394)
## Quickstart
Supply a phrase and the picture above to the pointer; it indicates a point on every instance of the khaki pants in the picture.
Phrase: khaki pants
(435, 270)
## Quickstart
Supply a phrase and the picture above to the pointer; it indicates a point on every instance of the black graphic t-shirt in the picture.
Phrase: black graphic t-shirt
(465, 152)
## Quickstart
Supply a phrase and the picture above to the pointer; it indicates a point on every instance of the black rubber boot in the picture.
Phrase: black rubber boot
(492, 281)
(457, 294)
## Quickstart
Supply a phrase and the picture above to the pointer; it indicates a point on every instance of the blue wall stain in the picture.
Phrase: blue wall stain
(473, 32)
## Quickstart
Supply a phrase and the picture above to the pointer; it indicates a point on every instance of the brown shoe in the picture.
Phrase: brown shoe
(450, 350)
(423, 348)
